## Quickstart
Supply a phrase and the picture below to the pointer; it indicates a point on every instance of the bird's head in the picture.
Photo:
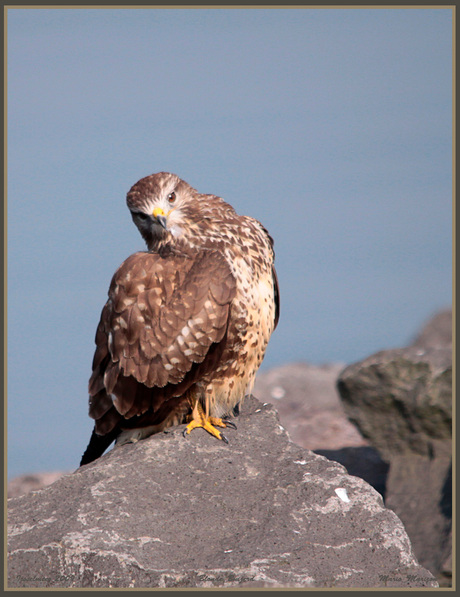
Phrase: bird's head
(166, 209)
(157, 205)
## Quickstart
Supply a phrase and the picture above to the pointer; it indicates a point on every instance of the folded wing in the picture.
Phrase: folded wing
(162, 318)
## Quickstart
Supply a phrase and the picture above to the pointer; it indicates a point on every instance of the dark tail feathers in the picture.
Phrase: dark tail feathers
(98, 444)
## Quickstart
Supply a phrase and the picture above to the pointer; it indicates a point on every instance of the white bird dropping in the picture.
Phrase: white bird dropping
(342, 494)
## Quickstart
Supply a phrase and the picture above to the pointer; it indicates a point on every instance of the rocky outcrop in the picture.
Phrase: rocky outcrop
(401, 401)
(310, 408)
(194, 512)
(309, 405)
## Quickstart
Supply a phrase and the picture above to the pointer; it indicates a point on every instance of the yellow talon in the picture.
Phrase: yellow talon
(206, 424)
(200, 419)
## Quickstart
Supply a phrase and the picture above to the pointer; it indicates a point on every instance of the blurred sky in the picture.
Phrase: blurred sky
(331, 126)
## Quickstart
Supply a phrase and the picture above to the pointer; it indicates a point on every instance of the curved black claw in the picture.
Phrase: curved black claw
(229, 424)
(184, 433)
(224, 438)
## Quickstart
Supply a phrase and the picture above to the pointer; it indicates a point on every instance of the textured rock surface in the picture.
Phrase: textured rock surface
(364, 462)
(310, 408)
(194, 512)
(401, 400)
(309, 405)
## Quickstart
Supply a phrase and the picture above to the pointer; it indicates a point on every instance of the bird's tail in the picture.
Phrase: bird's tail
(98, 444)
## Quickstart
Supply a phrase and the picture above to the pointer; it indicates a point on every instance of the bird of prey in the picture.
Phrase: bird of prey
(187, 322)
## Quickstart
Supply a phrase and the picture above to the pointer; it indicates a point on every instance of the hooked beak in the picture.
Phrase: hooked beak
(159, 214)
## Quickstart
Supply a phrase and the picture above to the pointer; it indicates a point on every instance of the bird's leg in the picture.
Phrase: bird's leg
(200, 418)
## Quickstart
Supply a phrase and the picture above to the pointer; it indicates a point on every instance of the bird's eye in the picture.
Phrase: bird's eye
(172, 197)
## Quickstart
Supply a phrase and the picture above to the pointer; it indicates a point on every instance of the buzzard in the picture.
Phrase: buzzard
(187, 322)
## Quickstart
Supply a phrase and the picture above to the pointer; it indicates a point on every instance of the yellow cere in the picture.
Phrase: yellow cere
(158, 212)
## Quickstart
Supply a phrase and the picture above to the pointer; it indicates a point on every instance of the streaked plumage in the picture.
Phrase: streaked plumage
(187, 323)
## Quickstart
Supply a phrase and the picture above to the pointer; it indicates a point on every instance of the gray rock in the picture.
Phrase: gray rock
(310, 408)
(309, 405)
(401, 401)
(420, 489)
(364, 462)
(194, 512)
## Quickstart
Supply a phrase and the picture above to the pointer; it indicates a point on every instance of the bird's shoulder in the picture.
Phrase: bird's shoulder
(164, 311)
(169, 273)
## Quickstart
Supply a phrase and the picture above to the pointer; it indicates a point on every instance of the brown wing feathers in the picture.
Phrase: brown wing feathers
(161, 319)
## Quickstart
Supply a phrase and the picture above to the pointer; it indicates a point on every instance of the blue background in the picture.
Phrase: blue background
(333, 127)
